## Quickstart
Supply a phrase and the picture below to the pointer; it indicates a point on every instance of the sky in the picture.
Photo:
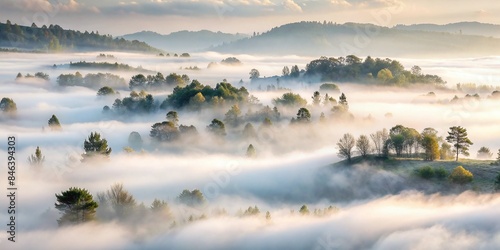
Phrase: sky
(119, 17)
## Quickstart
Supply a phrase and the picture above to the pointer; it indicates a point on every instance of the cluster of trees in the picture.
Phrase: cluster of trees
(458, 175)
(54, 38)
(232, 61)
(169, 130)
(136, 103)
(8, 106)
(104, 66)
(196, 95)
(158, 81)
(404, 141)
(353, 68)
(39, 75)
(94, 81)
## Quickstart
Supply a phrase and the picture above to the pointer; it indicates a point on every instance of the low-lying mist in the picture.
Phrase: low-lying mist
(363, 206)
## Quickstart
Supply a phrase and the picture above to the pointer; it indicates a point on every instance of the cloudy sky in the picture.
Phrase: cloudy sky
(118, 17)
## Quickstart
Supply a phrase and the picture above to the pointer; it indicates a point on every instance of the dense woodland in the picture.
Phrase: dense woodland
(55, 39)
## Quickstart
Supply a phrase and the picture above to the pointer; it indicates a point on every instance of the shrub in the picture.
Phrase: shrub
(440, 173)
(425, 172)
(460, 175)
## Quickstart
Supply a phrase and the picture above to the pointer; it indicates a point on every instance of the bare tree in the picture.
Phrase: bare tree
(363, 145)
(345, 145)
(379, 138)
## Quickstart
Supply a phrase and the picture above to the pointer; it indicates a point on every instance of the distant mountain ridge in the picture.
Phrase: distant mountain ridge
(319, 39)
(464, 28)
(185, 41)
(54, 38)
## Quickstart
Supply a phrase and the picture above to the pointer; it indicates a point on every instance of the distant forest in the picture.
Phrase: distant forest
(55, 39)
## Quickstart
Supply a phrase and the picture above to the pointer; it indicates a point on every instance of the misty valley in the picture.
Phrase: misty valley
(220, 144)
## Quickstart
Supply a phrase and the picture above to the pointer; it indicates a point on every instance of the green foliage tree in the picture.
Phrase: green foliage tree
(345, 146)
(254, 74)
(316, 98)
(54, 123)
(431, 148)
(8, 106)
(290, 100)
(457, 136)
(251, 153)
(303, 116)
(105, 91)
(164, 131)
(135, 140)
(251, 211)
(191, 198)
(173, 117)
(217, 128)
(232, 117)
(397, 136)
(95, 147)
(295, 71)
(196, 102)
(484, 153)
(36, 160)
(363, 145)
(76, 205)
(304, 210)
(460, 175)
(329, 87)
(249, 131)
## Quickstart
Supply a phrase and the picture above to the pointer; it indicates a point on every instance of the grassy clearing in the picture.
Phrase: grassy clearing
(483, 170)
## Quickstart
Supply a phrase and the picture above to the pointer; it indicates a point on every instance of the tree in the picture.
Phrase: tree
(484, 153)
(104, 91)
(251, 153)
(397, 135)
(191, 198)
(254, 74)
(498, 158)
(379, 138)
(232, 117)
(77, 206)
(173, 117)
(363, 145)
(268, 216)
(285, 72)
(295, 71)
(457, 136)
(345, 145)
(95, 147)
(36, 160)
(249, 131)
(431, 147)
(445, 151)
(316, 98)
(160, 207)
(217, 128)
(460, 175)
(304, 210)
(135, 140)
(164, 131)
(290, 99)
(54, 123)
(122, 202)
(385, 75)
(303, 116)
(8, 105)
(197, 101)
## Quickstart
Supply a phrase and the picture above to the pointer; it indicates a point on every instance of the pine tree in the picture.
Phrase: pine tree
(95, 147)
(54, 123)
(77, 206)
(457, 136)
(37, 159)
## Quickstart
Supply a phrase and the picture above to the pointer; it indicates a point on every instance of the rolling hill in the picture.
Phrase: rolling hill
(185, 41)
(319, 39)
(464, 28)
